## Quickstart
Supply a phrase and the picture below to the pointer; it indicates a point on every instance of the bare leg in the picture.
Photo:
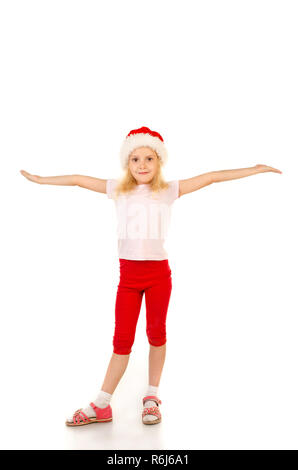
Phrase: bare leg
(157, 355)
(116, 369)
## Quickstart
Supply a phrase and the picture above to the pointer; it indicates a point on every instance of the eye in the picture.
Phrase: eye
(150, 158)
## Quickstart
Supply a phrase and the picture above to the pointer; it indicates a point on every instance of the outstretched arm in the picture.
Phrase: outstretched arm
(197, 182)
(88, 182)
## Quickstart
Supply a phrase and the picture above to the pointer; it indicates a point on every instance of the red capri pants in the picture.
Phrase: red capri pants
(154, 277)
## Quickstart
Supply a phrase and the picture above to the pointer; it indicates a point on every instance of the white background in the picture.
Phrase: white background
(218, 80)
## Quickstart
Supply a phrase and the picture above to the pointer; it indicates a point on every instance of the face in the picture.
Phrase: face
(143, 163)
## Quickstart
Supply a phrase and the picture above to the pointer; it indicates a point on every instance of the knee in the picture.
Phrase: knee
(122, 345)
(157, 337)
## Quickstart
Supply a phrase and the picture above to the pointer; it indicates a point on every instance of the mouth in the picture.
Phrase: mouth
(143, 172)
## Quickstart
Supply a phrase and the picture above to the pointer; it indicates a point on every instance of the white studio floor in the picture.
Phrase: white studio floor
(213, 417)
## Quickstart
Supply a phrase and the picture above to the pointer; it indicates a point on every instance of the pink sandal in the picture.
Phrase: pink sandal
(153, 410)
(103, 415)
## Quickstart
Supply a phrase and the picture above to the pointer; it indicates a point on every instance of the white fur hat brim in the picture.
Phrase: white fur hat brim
(142, 140)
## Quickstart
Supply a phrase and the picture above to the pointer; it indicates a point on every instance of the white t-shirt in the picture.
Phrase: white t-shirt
(143, 220)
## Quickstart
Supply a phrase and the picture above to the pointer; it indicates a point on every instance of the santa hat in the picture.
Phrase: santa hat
(142, 137)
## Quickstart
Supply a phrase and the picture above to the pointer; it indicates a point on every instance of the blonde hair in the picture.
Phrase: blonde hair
(127, 182)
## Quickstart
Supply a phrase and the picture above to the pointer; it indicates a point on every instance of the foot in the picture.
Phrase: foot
(151, 413)
(88, 411)
(102, 415)
(99, 409)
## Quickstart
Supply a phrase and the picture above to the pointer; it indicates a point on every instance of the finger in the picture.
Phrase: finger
(274, 169)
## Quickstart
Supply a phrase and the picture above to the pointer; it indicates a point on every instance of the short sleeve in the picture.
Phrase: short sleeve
(173, 191)
(111, 185)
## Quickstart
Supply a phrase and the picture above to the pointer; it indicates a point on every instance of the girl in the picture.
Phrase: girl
(143, 202)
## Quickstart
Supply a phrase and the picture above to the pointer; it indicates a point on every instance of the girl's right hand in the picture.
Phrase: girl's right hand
(34, 178)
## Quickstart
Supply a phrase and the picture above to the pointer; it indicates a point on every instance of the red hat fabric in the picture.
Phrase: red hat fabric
(142, 137)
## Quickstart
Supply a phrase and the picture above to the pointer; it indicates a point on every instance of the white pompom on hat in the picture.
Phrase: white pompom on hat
(142, 137)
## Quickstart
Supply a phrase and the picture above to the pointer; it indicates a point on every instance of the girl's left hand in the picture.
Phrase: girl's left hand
(264, 168)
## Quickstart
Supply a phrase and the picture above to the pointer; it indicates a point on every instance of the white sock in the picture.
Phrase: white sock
(101, 401)
(151, 390)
